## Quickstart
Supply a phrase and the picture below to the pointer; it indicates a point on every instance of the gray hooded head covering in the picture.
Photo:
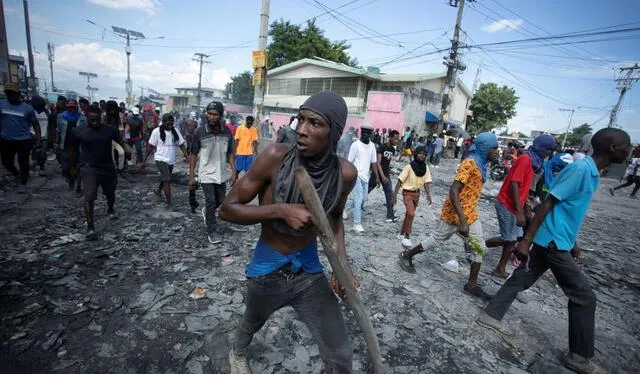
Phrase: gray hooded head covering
(324, 168)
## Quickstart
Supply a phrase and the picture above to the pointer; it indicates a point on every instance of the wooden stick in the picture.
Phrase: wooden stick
(339, 266)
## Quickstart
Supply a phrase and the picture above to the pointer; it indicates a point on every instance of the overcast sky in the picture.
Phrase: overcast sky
(399, 36)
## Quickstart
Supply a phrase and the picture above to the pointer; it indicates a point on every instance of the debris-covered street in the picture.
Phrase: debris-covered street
(153, 296)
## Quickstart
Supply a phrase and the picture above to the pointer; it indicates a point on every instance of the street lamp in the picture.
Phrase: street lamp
(89, 88)
(128, 35)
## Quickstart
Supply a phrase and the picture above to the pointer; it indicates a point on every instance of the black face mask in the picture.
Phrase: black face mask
(366, 137)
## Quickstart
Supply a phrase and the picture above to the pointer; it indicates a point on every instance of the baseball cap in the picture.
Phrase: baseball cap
(10, 86)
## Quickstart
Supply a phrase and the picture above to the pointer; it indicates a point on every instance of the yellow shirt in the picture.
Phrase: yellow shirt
(470, 176)
(244, 140)
(412, 182)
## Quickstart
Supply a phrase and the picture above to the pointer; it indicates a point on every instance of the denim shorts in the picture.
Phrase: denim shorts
(509, 231)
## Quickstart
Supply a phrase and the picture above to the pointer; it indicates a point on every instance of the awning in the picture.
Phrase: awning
(430, 117)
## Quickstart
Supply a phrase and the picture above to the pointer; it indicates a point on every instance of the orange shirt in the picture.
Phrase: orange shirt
(244, 140)
(469, 175)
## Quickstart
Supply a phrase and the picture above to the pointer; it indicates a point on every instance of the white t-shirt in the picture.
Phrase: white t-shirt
(460, 142)
(165, 151)
(632, 167)
(362, 156)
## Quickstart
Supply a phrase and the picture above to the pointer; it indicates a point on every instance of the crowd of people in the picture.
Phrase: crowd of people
(540, 207)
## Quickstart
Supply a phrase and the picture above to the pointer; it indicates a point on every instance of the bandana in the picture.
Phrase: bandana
(480, 149)
(71, 116)
(538, 151)
(419, 167)
(324, 168)
(554, 166)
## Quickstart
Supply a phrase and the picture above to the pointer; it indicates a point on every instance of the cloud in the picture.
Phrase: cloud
(148, 5)
(503, 24)
(110, 64)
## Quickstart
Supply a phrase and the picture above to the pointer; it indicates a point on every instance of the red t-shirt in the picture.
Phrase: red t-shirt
(522, 173)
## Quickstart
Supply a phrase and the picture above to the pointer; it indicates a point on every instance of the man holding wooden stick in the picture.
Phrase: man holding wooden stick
(285, 269)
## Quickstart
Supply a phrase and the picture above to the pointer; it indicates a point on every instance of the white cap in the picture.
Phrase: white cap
(158, 108)
(135, 111)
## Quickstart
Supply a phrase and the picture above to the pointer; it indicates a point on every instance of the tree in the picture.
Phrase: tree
(240, 90)
(492, 107)
(575, 136)
(290, 42)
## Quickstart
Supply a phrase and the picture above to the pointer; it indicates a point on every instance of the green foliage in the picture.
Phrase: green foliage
(575, 136)
(240, 90)
(492, 107)
(477, 248)
(290, 42)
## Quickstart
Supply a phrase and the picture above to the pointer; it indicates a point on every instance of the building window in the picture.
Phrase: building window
(345, 87)
(284, 87)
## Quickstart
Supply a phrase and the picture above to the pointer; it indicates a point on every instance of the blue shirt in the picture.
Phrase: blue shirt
(266, 260)
(16, 120)
(573, 188)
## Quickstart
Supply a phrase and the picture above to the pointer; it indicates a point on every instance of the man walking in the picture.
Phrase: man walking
(246, 145)
(510, 205)
(69, 120)
(460, 211)
(363, 156)
(285, 269)
(212, 147)
(385, 153)
(39, 154)
(553, 232)
(438, 147)
(16, 121)
(98, 169)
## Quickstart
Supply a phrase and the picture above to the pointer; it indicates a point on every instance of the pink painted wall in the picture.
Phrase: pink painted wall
(384, 110)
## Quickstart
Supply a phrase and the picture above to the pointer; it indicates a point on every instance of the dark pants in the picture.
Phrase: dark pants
(39, 153)
(92, 178)
(582, 301)
(435, 160)
(214, 193)
(456, 153)
(388, 195)
(310, 296)
(8, 151)
(631, 180)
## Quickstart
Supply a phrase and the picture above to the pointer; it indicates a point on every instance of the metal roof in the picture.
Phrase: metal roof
(382, 77)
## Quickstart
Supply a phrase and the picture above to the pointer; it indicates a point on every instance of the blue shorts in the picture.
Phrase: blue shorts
(509, 231)
(243, 163)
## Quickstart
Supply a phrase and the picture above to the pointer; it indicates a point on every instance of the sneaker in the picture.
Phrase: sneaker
(358, 228)
(345, 215)
(212, 240)
(581, 365)
(489, 322)
(476, 291)
(612, 191)
(393, 219)
(204, 215)
(400, 236)
(406, 242)
(238, 364)
(113, 216)
(91, 235)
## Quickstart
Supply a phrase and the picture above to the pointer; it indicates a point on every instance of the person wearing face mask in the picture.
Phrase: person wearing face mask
(16, 121)
(93, 142)
(510, 205)
(363, 155)
(163, 143)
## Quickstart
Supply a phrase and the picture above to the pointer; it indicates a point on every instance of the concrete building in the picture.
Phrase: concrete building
(18, 72)
(382, 100)
(186, 98)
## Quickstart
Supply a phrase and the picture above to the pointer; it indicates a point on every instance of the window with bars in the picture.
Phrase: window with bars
(346, 87)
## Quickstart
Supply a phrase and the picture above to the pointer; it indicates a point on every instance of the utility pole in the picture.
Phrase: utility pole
(128, 35)
(564, 138)
(452, 62)
(627, 77)
(33, 87)
(476, 83)
(5, 77)
(258, 93)
(90, 89)
(51, 55)
(200, 57)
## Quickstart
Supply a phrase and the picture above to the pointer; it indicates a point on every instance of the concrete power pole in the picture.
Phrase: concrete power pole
(452, 62)
(33, 87)
(564, 138)
(628, 76)
(90, 89)
(258, 93)
(200, 57)
(128, 35)
(51, 55)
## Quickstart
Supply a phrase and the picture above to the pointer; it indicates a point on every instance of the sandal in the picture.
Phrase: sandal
(476, 291)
